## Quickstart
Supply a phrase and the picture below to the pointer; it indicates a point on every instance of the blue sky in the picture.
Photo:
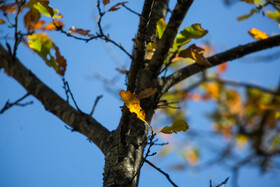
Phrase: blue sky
(37, 150)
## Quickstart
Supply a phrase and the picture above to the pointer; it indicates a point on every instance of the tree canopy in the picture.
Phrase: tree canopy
(177, 86)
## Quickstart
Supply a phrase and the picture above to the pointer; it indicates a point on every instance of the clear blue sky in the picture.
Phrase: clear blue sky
(37, 150)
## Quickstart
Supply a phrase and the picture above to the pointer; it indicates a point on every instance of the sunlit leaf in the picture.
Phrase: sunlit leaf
(241, 140)
(46, 10)
(73, 29)
(54, 25)
(2, 21)
(192, 32)
(160, 27)
(222, 68)
(37, 25)
(274, 15)
(177, 126)
(117, 6)
(42, 45)
(257, 34)
(259, 3)
(133, 104)
(246, 16)
(196, 53)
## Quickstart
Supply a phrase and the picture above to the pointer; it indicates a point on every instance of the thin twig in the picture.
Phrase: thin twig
(224, 182)
(130, 10)
(18, 36)
(95, 103)
(16, 103)
(164, 173)
(67, 90)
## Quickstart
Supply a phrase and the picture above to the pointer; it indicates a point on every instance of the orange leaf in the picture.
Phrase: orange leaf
(257, 34)
(2, 21)
(117, 6)
(73, 29)
(105, 2)
(122, 71)
(133, 104)
(61, 62)
(53, 25)
(147, 93)
(9, 8)
(196, 53)
(222, 68)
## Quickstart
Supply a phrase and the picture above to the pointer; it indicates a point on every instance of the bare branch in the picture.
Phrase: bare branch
(169, 34)
(16, 103)
(220, 58)
(54, 103)
(130, 10)
(164, 173)
(95, 103)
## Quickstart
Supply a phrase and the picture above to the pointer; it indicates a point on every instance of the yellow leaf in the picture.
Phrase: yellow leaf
(177, 126)
(246, 16)
(147, 93)
(241, 140)
(257, 34)
(161, 25)
(133, 104)
(2, 21)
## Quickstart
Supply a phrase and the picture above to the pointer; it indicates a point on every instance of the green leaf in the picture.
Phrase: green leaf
(192, 32)
(42, 45)
(246, 16)
(161, 25)
(274, 15)
(177, 126)
(259, 3)
(47, 10)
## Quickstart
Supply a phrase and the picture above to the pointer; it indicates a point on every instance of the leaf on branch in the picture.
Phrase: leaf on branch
(122, 71)
(133, 104)
(196, 53)
(259, 3)
(53, 25)
(246, 16)
(44, 8)
(105, 2)
(248, 1)
(2, 21)
(148, 92)
(73, 29)
(192, 32)
(117, 6)
(9, 8)
(160, 27)
(177, 126)
(31, 18)
(257, 34)
(42, 45)
(274, 15)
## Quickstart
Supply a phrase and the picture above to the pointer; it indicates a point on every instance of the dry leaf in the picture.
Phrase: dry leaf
(147, 93)
(257, 34)
(177, 126)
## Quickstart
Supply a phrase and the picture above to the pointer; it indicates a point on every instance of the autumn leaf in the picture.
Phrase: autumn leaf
(222, 68)
(73, 29)
(105, 2)
(196, 53)
(257, 34)
(160, 27)
(122, 71)
(42, 45)
(248, 1)
(117, 6)
(9, 8)
(37, 25)
(192, 155)
(47, 10)
(274, 15)
(246, 16)
(194, 31)
(148, 92)
(53, 25)
(133, 104)
(177, 126)
(31, 17)
(2, 21)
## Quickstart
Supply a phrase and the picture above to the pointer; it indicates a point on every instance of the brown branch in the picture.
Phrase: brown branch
(169, 34)
(53, 102)
(218, 59)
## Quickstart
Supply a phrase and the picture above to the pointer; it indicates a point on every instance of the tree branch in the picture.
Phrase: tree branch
(16, 103)
(139, 45)
(169, 34)
(53, 102)
(220, 58)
